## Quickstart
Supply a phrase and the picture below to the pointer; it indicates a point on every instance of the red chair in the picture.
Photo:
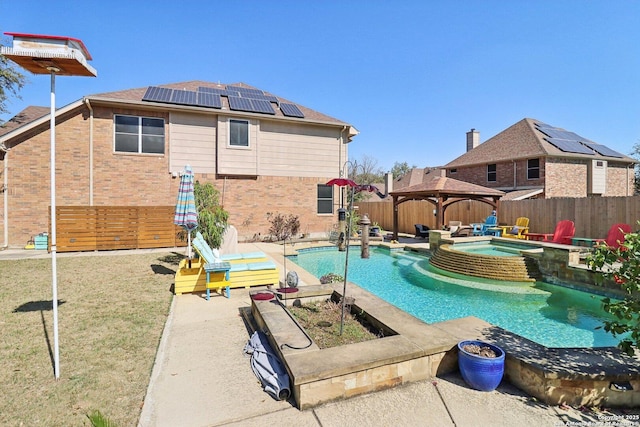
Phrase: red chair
(615, 236)
(563, 233)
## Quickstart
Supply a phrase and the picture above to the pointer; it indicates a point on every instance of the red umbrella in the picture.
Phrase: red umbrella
(342, 182)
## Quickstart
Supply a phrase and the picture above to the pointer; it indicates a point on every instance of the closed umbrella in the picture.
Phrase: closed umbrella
(186, 214)
(268, 367)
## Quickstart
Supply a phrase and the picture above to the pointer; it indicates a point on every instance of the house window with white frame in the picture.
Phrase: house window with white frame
(325, 199)
(492, 174)
(135, 134)
(238, 133)
(533, 168)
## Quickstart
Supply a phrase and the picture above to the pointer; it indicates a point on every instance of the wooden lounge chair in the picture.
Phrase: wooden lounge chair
(518, 230)
(422, 231)
(563, 233)
(212, 271)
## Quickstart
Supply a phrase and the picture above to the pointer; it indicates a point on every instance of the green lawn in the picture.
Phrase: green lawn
(111, 315)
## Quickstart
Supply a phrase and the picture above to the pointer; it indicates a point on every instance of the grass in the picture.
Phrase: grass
(111, 313)
(321, 320)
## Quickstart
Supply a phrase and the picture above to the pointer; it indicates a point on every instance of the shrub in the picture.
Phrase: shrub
(283, 227)
(621, 266)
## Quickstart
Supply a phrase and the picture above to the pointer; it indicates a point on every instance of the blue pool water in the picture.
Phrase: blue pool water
(551, 315)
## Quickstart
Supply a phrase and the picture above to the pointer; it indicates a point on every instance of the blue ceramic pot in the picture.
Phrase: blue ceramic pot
(479, 372)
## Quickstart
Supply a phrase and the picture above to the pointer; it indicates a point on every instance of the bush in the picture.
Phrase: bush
(283, 227)
(621, 266)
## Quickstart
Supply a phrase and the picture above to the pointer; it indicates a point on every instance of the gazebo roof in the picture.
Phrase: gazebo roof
(443, 186)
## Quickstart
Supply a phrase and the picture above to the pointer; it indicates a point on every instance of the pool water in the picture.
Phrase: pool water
(551, 315)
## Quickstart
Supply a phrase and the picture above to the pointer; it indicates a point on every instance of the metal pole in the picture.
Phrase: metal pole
(346, 263)
(54, 272)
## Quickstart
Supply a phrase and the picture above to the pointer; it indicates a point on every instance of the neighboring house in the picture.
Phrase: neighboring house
(263, 153)
(534, 159)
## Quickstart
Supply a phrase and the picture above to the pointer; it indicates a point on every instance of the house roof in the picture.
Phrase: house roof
(137, 95)
(25, 116)
(527, 139)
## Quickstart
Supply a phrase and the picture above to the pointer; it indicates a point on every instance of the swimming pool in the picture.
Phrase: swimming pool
(551, 315)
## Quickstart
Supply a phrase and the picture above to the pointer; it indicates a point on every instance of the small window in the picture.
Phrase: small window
(135, 134)
(533, 168)
(238, 133)
(325, 199)
(491, 173)
(453, 170)
(599, 164)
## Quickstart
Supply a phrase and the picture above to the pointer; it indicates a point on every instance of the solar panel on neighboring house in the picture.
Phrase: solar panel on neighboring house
(605, 151)
(570, 146)
(291, 110)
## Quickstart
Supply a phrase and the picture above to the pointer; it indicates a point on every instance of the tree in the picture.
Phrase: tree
(365, 170)
(621, 266)
(11, 81)
(212, 218)
(636, 155)
(401, 169)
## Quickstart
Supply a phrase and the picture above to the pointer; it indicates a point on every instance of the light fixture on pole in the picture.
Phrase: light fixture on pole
(64, 56)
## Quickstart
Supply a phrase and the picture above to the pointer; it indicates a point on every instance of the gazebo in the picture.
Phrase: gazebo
(443, 192)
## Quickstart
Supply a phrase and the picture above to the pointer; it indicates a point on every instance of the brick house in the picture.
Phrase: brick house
(127, 148)
(533, 159)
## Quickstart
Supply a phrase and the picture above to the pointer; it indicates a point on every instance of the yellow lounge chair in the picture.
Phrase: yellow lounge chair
(517, 231)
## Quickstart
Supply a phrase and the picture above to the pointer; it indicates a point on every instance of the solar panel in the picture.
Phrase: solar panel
(206, 99)
(245, 90)
(262, 106)
(186, 97)
(570, 146)
(291, 110)
(157, 94)
(544, 126)
(240, 104)
(603, 150)
(214, 90)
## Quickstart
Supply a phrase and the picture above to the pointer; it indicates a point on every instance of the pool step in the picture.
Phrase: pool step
(511, 268)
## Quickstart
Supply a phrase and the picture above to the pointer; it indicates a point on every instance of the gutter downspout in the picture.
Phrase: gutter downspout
(88, 104)
(5, 191)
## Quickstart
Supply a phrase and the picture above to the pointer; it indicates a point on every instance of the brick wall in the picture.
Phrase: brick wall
(504, 175)
(565, 178)
(134, 180)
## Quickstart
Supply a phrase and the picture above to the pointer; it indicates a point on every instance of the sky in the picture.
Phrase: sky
(412, 76)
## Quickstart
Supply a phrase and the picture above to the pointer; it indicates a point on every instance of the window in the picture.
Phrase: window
(491, 173)
(325, 199)
(238, 133)
(135, 134)
(453, 170)
(533, 168)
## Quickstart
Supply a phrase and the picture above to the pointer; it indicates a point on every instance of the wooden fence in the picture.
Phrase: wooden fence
(593, 216)
(98, 228)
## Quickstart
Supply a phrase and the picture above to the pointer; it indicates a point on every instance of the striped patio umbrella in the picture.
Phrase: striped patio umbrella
(186, 215)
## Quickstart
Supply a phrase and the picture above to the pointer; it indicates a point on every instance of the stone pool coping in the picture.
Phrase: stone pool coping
(421, 351)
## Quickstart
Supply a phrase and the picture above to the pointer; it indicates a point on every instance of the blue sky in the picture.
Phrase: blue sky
(413, 77)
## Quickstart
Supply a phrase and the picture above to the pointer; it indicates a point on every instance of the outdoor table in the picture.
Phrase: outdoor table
(215, 267)
(585, 241)
(495, 231)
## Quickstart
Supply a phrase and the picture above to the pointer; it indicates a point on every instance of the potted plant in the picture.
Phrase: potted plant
(481, 364)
